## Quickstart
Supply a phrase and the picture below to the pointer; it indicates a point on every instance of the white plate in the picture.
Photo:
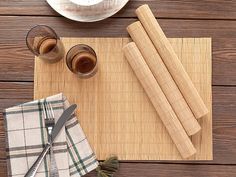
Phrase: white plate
(86, 2)
(87, 10)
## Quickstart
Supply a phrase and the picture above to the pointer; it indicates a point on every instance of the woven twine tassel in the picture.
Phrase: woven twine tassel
(108, 167)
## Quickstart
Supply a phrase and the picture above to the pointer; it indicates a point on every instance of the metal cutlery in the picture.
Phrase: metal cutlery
(61, 121)
(50, 123)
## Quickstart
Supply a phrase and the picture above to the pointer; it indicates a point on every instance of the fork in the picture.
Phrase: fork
(49, 123)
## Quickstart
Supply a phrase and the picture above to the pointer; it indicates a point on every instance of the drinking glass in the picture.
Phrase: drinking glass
(45, 43)
(82, 60)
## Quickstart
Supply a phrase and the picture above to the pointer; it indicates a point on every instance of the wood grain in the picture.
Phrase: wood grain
(13, 49)
(114, 27)
(163, 9)
(20, 67)
(167, 170)
(161, 170)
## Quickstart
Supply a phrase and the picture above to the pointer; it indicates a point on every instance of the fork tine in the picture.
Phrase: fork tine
(50, 105)
(44, 111)
(48, 110)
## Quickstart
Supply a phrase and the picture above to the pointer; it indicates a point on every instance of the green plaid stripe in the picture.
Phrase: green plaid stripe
(82, 163)
(78, 166)
(31, 110)
(77, 154)
(74, 161)
(42, 134)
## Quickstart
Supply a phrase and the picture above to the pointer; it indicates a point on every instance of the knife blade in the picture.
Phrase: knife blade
(62, 120)
(60, 123)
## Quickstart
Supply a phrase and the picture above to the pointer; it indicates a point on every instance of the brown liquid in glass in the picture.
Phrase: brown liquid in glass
(83, 63)
(47, 45)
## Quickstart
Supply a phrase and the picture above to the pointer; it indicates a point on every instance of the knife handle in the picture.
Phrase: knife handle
(32, 171)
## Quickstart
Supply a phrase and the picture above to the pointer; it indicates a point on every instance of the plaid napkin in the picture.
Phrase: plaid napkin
(26, 136)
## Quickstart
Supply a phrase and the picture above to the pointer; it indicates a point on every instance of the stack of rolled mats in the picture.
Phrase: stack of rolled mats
(164, 80)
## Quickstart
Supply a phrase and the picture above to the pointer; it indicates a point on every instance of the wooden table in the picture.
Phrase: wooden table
(192, 18)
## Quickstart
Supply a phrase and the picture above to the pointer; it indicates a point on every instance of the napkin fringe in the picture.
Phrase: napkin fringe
(108, 167)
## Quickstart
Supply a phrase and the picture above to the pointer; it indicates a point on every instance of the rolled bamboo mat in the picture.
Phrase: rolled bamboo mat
(163, 78)
(159, 101)
(171, 61)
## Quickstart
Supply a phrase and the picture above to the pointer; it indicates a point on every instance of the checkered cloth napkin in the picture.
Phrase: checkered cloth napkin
(26, 136)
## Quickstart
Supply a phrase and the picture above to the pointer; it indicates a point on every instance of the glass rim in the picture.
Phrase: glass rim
(84, 74)
(54, 32)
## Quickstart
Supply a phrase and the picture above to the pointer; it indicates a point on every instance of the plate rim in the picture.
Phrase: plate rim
(95, 20)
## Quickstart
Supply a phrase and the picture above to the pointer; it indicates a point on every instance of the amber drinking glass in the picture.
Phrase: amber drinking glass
(45, 43)
(82, 60)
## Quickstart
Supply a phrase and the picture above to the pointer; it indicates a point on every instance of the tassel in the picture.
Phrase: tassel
(108, 167)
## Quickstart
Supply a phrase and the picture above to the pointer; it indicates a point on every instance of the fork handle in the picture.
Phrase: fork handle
(53, 165)
(32, 171)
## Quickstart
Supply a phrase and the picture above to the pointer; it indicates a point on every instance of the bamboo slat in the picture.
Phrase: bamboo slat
(113, 108)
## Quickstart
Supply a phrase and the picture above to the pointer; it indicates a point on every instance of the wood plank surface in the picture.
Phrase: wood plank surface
(212, 18)
(16, 27)
(224, 122)
(170, 170)
(192, 9)
(13, 48)
(162, 170)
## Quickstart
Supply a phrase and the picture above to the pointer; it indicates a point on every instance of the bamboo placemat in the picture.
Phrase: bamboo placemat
(114, 110)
